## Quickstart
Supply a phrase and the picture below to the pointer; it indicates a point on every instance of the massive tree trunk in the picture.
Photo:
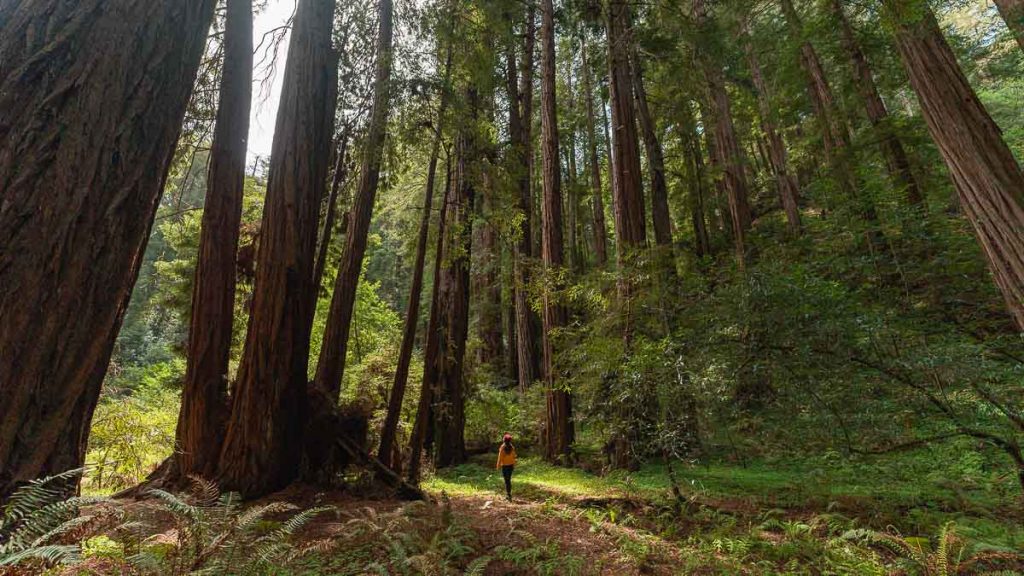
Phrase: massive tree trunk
(728, 151)
(92, 94)
(429, 389)
(520, 131)
(1012, 12)
(559, 432)
(204, 393)
(988, 179)
(387, 435)
(331, 365)
(600, 231)
(896, 160)
(262, 446)
(487, 282)
(660, 216)
(337, 181)
(453, 299)
(785, 182)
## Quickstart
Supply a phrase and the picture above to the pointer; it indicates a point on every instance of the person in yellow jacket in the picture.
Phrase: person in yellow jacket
(507, 462)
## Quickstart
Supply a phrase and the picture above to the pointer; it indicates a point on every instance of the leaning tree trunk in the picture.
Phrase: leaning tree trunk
(1012, 12)
(264, 439)
(896, 160)
(520, 131)
(204, 393)
(559, 432)
(453, 302)
(412, 315)
(600, 231)
(337, 181)
(428, 389)
(330, 366)
(92, 94)
(785, 182)
(988, 179)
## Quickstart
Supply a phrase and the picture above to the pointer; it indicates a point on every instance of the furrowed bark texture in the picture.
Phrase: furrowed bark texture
(987, 177)
(1012, 12)
(331, 365)
(204, 409)
(660, 216)
(262, 446)
(92, 94)
(559, 434)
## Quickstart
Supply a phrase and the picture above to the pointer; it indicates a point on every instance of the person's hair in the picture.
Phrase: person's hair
(508, 446)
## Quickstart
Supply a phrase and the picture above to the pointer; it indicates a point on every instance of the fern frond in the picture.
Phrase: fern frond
(36, 494)
(52, 554)
(205, 492)
(256, 513)
(176, 505)
(477, 567)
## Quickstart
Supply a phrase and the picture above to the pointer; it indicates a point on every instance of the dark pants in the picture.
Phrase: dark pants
(506, 472)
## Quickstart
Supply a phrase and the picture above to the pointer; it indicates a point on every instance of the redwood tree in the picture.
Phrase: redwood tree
(559, 433)
(92, 95)
(331, 364)
(660, 215)
(262, 445)
(204, 393)
(1012, 12)
(987, 177)
(600, 231)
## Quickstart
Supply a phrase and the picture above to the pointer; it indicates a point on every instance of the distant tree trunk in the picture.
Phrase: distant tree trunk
(1012, 12)
(429, 389)
(559, 433)
(896, 159)
(92, 94)
(660, 214)
(387, 435)
(453, 300)
(597, 203)
(728, 150)
(785, 183)
(330, 366)
(988, 179)
(695, 162)
(204, 409)
(487, 282)
(262, 446)
(520, 122)
(337, 181)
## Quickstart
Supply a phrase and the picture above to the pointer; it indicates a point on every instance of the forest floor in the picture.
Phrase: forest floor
(764, 518)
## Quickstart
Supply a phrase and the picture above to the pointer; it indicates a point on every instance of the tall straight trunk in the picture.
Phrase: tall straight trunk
(453, 301)
(269, 405)
(429, 389)
(660, 215)
(719, 206)
(609, 149)
(486, 279)
(785, 183)
(330, 366)
(337, 181)
(92, 94)
(387, 435)
(1012, 12)
(896, 160)
(204, 394)
(600, 231)
(559, 433)
(727, 148)
(520, 131)
(987, 177)
(695, 162)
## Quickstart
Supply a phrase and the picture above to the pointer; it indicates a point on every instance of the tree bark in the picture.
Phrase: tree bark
(896, 160)
(695, 161)
(785, 183)
(204, 409)
(660, 215)
(387, 435)
(92, 94)
(269, 409)
(1012, 12)
(520, 130)
(330, 366)
(600, 232)
(559, 433)
(987, 177)
(429, 389)
(453, 300)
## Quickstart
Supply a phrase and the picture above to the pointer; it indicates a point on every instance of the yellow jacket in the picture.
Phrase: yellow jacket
(505, 458)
